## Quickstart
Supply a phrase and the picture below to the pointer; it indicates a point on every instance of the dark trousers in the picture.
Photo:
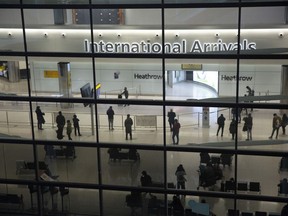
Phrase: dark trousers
(180, 185)
(77, 129)
(277, 131)
(39, 125)
(130, 134)
(175, 134)
(222, 128)
(110, 123)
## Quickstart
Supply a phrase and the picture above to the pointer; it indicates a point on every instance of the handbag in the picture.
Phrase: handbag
(244, 128)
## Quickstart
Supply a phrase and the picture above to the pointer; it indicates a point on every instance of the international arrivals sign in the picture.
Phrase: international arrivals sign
(180, 47)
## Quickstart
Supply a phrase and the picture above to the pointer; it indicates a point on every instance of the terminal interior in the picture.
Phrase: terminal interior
(59, 58)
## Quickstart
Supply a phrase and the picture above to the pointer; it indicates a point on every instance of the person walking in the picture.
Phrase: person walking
(110, 113)
(171, 116)
(126, 94)
(180, 174)
(69, 129)
(248, 123)
(175, 131)
(284, 122)
(221, 122)
(60, 121)
(128, 127)
(233, 128)
(76, 125)
(40, 118)
(276, 123)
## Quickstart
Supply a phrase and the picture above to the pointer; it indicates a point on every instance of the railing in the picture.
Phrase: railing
(13, 118)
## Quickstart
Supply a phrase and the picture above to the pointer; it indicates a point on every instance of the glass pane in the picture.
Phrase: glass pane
(262, 81)
(14, 75)
(183, 34)
(42, 38)
(126, 2)
(142, 78)
(124, 167)
(257, 164)
(133, 36)
(15, 119)
(257, 38)
(267, 208)
(83, 201)
(201, 80)
(55, 2)
(146, 124)
(63, 160)
(61, 77)
(267, 132)
(11, 30)
(13, 165)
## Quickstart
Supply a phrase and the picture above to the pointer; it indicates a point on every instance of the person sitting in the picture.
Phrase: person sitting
(145, 179)
(177, 207)
(207, 176)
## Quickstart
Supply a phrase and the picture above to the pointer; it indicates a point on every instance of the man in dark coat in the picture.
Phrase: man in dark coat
(176, 130)
(128, 126)
(221, 122)
(110, 113)
(171, 117)
(60, 120)
(40, 118)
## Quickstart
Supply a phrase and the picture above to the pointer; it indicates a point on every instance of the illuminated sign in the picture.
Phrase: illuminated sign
(170, 48)
(191, 66)
(51, 74)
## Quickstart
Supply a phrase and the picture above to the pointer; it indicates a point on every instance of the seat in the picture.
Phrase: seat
(242, 186)
(246, 213)
(274, 214)
(204, 157)
(226, 159)
(233, 212)
(260, 213)
(229, 186)
(254, 186)
(215, 159)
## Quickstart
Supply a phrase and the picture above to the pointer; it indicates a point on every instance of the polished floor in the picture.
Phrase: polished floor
(14, 121)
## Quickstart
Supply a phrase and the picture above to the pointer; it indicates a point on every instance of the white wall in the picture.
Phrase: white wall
(264, 77)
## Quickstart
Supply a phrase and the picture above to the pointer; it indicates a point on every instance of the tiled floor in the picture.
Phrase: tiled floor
(84, 167)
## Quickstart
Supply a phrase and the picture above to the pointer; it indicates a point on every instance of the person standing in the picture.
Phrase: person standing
(128, 127)
(126, 94)
(171, 116)
(175, 131)
(60, 121)
(248, 122)
(69, 129)
(233, 128)
(284, 123)
(276, 123)
(180, 174)
(40, 118)
(221, 122)
(110, 113)
(76, 125)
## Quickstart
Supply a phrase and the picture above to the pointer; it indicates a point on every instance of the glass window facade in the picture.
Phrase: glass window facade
(143, 107)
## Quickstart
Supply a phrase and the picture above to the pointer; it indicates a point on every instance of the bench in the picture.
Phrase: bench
(11, 199)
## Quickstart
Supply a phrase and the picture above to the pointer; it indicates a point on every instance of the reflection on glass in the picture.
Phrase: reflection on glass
(61, 161)
(132, 172)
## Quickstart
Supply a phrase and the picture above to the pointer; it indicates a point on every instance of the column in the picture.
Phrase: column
(65, 88)
(13, 71)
